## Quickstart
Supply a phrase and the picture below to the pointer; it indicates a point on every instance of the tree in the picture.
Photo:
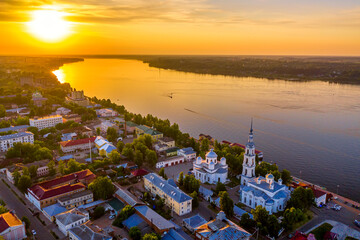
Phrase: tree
(111, 134)
(16, 176)
(150, 236)
(61, 167)
(128, 152)
(135, 233)
(292, 216)
(124, 214)
(99, 212)
(115, 157)
(2, 111)
(148, 140)
(25, 171)
(273, 226)
(24, 183)
(195, 200)
(26, 221)
(98, 131)
(220, 187)
(181, 178)
(51, 166)
(286, 176)
(33, 171)
(205, 144)
(162, 172)
(301, 198)
(191, 184)
(261, 216)
(151, 157)
(3, 209)
(139, 158)
(73, 166)
(102, 188)
(246, 221)
(226, 204)
(120, 146)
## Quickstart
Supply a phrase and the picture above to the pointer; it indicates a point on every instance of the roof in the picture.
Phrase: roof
(176, 235)
(108, 147)
(8, 220)
(130, 124)
(126, 196)
(172, 182)
(168, 189)
(15, 135)
(239, 212)
(299, 236)
(206, 192)
(14, 128)
(133, 221)
(157, 220)
(166, 139)
(75, 195)
(77, 142)
(139, 172)
(195, 221)
(211, 154)
(91, 205)
(66, 157)
(318, 193)
(60, 185)
(100, 141)
(54, 209)
(116, 204)
(264, 185)
(85, 232)
(69, 217)
(172, 149)
(188, 150)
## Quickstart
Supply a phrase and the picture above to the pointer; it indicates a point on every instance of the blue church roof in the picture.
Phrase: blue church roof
(211, 154)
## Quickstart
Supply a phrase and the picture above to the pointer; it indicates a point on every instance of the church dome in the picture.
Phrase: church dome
(211, 154)
(270, 176)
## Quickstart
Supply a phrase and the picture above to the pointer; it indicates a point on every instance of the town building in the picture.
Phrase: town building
(130, 126)
(78, 98)
(85, 144)
(11, 227)
(210, 170)
(45, 122)
(249, 163)
(188, 153)
(51, 211)
(80, 130)
(8, 141)
(76, 199)
(88, 231)
(152, 218)
(167, 141)
(106, 112)
(48, 192)
(104, 146)
(126, 197)
(38, 99)
(72, 117)
(176, 199)
(170, 152)
(205, 193)
(63, 111)
(221, 228)
(21, 128)
(193, 222)
(141, 130)
(107, 124)
(171, 161)
(71, 219)
(41, 171)
(320, 196)
(265, 192)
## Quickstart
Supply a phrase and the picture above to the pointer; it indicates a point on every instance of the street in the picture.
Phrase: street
(13, 203)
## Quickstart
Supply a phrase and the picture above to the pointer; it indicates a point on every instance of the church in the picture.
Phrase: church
(255, 191)
(210, 170)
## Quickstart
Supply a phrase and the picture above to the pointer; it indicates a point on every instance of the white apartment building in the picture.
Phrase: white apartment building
(46, 122)
(70, 219)
(7, 141)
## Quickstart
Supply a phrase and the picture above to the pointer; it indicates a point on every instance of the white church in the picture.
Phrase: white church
(255, 191)
(210, 170)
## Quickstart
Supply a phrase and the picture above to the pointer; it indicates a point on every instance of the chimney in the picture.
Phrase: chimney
(221, 216)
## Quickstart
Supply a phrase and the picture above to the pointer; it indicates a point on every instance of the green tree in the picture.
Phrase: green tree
(286, 176)
(139, 158)
(51, 166)
(273, 226)
(246, 221)
(111, 134)
(148, 140)
(135, 233)
(98, 131)
(226, 203)
(27, 222)
(99, 211)
(220, 187)
(16, 176)
(195, 200)
(261, 216)
(3, 209)
(2, 111)
(181, 178)
(301, 198)
(205, 145)
(162, 172)
(102, 188)
(25, 171)
(73, 166)
(151, 157)
(24, 183)
(33, 171)
(62, 167)
(124, 214)
(115, 157)
(128, 152)
(150, 236)
(191, 184)
(120, 146)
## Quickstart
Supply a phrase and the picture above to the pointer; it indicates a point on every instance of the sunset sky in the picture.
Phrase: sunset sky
(321, 27)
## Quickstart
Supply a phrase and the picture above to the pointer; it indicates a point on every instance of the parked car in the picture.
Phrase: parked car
(111, 217)
(336, 207)
(33, 232)
(357, 223)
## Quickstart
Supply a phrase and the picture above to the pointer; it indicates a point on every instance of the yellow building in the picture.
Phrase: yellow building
(175, 199)
(141, 130)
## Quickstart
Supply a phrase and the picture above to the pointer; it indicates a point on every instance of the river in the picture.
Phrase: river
(310, 128)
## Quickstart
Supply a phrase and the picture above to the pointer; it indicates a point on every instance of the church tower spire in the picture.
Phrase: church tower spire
(249, 158)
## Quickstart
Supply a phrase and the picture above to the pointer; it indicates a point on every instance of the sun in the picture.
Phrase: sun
(49, 25)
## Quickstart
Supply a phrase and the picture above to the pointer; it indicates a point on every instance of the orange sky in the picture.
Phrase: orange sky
(326, 27)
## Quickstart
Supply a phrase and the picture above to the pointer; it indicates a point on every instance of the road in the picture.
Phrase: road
(13, 203)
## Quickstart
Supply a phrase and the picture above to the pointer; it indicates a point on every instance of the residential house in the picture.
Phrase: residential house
(171, 151)
(188, 153)
(130, 126)
(320, 196)
(84, 144)
(51, 211)
(238, 212)
(193, 222)
(63, 111)
(205, 193)
(72, 117)
(8, 141)
(107, 124)
(126, 197)
(21, 128)
(88, 231)
(48, 192)
(70, 219)
(38, 99)
(76, 199)
(11, 227)
(106, 112)
(45, 122)
(106, 149)
(41, 171)
(83, 130)
(171, 161)
(221, 228)
(167, 141)
(176, 199)
(141, 130)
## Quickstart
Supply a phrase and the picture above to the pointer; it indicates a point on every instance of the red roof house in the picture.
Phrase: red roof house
(139, 172)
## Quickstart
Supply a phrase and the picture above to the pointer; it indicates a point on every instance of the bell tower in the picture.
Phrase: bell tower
(249, 163)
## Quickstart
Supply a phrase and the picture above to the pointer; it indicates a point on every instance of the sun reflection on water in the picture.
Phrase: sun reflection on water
(60, 75)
